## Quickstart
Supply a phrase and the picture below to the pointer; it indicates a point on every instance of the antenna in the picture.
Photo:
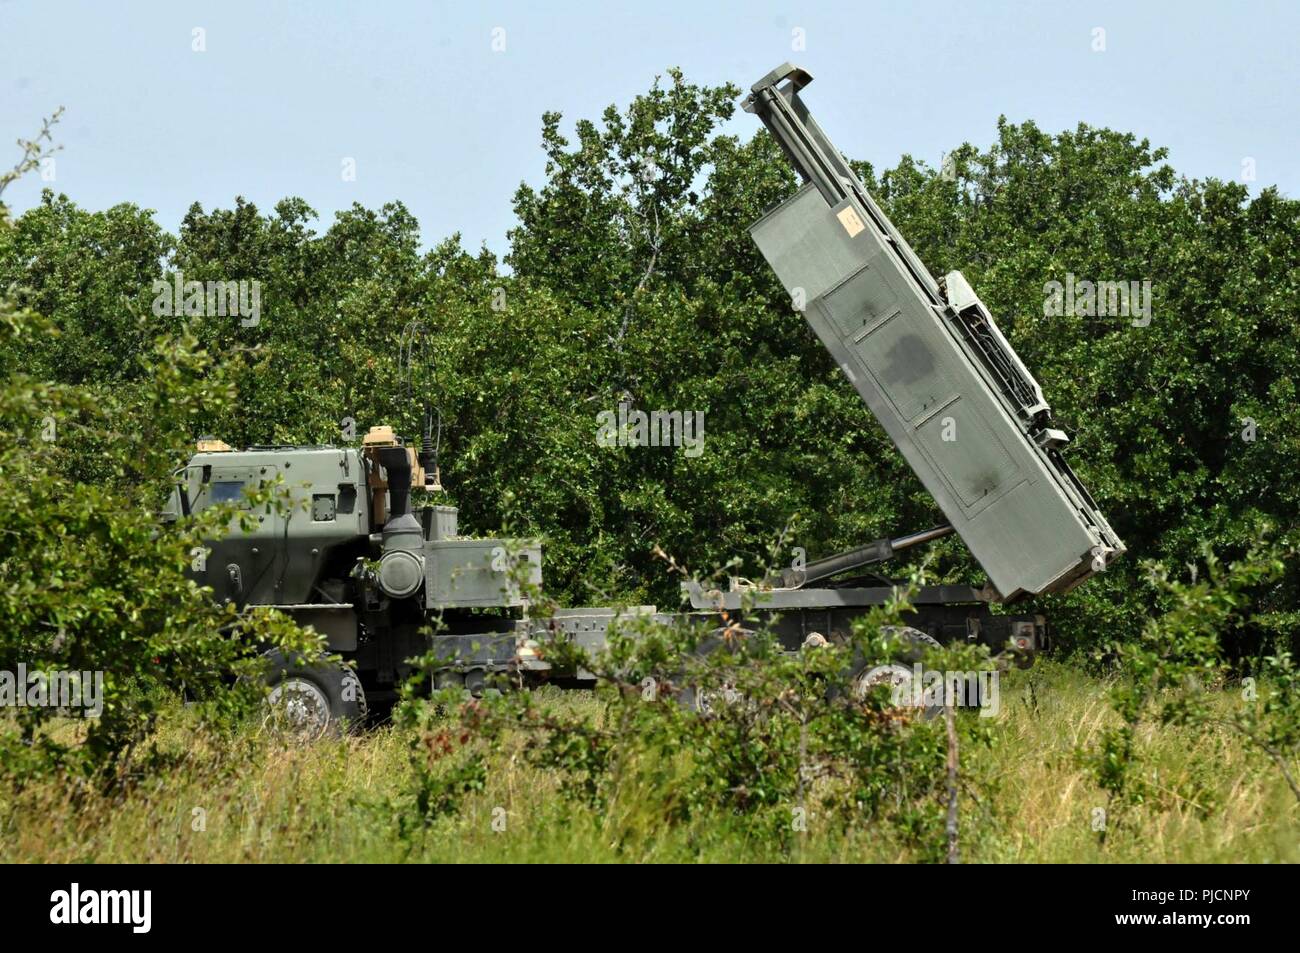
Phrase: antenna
(414, 355)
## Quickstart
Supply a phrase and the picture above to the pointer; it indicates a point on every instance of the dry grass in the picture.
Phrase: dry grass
(338, 801)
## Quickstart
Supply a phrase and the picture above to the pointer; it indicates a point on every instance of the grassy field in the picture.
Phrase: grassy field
(339, 801)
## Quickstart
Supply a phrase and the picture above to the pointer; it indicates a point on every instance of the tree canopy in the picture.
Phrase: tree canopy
(631, 277)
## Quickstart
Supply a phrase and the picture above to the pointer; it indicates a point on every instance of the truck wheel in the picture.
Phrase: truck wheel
(713, 701)
(710, 701)
(312, 699)
(898, 673)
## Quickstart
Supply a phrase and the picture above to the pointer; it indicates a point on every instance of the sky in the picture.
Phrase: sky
(439, 105)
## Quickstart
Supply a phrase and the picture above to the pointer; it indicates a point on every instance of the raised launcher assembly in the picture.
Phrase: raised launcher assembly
(929, 361)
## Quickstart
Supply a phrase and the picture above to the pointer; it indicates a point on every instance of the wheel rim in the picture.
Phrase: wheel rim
(300, 707)
(897, 677)
(710, 701)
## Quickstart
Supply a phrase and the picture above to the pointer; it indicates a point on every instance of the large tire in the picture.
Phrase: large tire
(898, 672)
(692, 696)
(708, 701)
(310, 699)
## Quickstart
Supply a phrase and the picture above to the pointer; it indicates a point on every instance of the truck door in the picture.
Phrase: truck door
(240, 566)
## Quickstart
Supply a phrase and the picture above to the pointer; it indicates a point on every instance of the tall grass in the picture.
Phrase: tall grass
(249, 797)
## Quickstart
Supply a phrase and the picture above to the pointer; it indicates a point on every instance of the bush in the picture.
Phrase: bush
(91, 583)
(723, 728)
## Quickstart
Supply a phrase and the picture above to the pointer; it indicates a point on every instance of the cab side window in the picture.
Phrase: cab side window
(226, 491)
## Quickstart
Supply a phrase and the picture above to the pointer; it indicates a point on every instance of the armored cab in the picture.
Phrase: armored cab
(343, 549)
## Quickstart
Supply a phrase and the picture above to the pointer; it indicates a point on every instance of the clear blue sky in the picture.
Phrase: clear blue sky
(436, 118)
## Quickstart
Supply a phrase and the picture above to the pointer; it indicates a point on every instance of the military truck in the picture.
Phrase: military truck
(353, 558)
(343, 551)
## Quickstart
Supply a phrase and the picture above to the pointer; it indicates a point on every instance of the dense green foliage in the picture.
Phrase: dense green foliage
(729, 728)
(631, 277)
(1176, 673)
(90, 583)
(97, 614)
